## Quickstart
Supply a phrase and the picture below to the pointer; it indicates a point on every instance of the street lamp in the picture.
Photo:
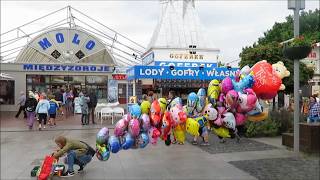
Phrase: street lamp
(296, 6)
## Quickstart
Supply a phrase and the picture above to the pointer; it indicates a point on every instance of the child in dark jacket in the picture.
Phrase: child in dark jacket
(54, 106)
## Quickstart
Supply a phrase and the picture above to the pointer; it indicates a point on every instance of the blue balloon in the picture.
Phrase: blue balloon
(244, 83)
(201, 103)
(128, 141)
(192, 100)
(143, 140)
(114, 144)
(135, 111)
(176, 101)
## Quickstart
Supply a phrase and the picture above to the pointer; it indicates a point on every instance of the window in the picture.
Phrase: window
(6, 92)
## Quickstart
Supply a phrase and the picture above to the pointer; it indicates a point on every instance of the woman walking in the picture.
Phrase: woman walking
(84, 99)
(42, 110)
(30, 106)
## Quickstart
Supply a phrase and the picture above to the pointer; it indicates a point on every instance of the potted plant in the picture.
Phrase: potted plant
(297, 49)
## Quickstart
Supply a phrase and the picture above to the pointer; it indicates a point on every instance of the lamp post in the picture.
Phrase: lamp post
(296, 6)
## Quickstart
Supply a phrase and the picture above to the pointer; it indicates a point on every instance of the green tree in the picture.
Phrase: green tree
(268, 47)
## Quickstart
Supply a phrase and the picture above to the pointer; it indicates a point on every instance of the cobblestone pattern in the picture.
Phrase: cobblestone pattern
(231, 145)
(281, 168)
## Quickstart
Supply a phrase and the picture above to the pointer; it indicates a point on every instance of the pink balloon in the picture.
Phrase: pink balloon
(145, 122)
(226, 85)
(154, 134)
(120, 127)
(219, 120)
(240, 119)
(247, 101)
(134, 127)
(231, 99)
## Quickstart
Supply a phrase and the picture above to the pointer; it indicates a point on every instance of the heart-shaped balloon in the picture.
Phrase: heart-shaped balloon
(267, 82)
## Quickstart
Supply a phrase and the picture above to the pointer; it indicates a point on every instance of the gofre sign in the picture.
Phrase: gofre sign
(185, 56)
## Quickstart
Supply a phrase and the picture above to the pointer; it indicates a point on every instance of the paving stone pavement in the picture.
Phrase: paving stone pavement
(292, 168)
(231, 145)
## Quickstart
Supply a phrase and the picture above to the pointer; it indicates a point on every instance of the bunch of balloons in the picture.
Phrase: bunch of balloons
(225, 105)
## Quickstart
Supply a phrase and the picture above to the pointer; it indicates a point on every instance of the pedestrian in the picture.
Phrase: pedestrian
(30, 107)
(54, 106)
(314, 110)
(21, 103)
(42, 110)
(171, 97)
(78, 152)
(150, 96)
(92, 104)
(84, 100)
(69, 102)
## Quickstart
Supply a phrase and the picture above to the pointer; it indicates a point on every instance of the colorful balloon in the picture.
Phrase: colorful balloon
(229, 120)
(240, 119)
(257, 110)
(154, 134)
(114, 144)
(226, 85)
(166, 126)
(143, 140)
(102, 136)
(102, 152)
(192, 127)
(281, 71)
(145, 107)
(135, 111)
(155, 115)
(267, 82)
(128, 141)
(202, 121)
(246, 101)
(213, 91)
(134, 127)
(192, 102)
(222, 132)
(210, 112)
(176, 101)
(178, 115)
(219, 120)
(179, 133)
(231, 99)
(201, 103)
(244, 83)
(120, 128)
(163, 104)
(145, 120)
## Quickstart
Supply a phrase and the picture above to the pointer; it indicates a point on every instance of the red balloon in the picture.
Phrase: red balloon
(267, 83)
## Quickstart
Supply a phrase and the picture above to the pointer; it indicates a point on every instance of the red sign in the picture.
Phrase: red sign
(119, 76)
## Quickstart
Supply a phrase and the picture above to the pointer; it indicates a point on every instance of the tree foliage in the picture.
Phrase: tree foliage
(268, 47)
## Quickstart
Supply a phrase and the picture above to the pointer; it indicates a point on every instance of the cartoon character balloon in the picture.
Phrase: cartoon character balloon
(192, 127)
(178, 115)
(145, 107)
(231, 99)
(201, 103)
(154, 134)
(210, 112)
(192, 102)
(213, 91)
(240, 119)
(257, 109)
(163, 104)
(244, 83)
(155, 113)
(166, 126)
(135, 111)
(102, 152)
(281, 71)
(229, 120)
(246, 101)
(176, 101)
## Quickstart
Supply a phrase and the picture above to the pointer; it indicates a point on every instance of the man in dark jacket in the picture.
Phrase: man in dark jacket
(92, 104)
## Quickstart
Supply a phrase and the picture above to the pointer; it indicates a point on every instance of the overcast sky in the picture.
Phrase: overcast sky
(231, 25)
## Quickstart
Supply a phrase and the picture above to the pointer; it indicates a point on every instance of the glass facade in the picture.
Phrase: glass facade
(6, 92)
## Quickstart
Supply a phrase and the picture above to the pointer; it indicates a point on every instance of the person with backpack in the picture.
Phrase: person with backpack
(92, 105)
(42, 110)
(78, 152)
(54, 106)
(30, 108)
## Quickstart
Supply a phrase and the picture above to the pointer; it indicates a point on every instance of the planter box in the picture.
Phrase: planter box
(297, 53)
(309, 138)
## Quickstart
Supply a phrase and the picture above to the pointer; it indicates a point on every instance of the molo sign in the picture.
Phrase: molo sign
(67, 44)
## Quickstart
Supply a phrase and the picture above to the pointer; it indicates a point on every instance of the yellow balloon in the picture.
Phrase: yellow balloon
(222, 132)
(214, 89)
(179, 133)
(192, 127)
(259, 117)
(163, 104)
(145, 107)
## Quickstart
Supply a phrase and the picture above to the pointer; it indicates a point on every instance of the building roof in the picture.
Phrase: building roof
(179, 26)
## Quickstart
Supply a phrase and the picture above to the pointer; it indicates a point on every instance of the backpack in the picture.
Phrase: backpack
(90, 150)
